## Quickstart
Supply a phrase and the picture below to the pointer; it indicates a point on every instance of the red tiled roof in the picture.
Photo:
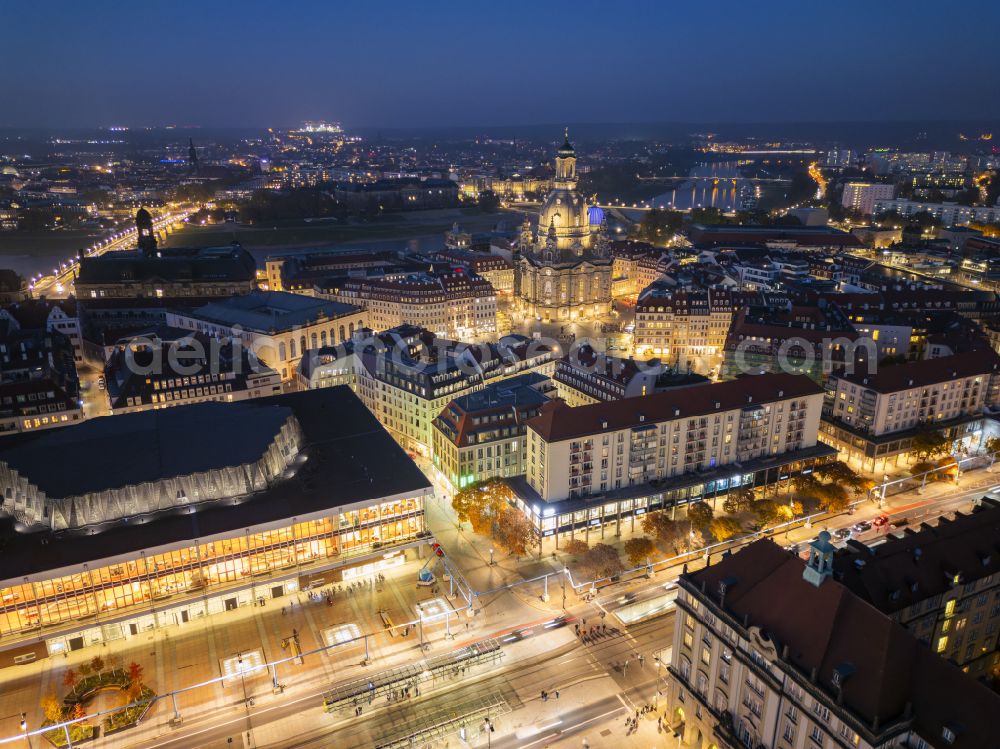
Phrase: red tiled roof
(928, 371)
(816, 629)
(562, 423)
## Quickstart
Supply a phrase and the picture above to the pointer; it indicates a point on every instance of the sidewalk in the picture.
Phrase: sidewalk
(181, 656)
(472, 551)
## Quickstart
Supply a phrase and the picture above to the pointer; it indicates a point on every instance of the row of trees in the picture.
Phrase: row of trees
(488, 507)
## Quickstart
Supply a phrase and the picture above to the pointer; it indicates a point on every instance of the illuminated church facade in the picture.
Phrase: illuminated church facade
(564, 272)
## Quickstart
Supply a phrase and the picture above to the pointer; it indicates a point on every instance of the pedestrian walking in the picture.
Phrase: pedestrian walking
(557, 694)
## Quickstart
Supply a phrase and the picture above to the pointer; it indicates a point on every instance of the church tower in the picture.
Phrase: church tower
(144, 232)
(820, 564)
(566, 164)
(526, 240)
(192, 157)
(564, 207)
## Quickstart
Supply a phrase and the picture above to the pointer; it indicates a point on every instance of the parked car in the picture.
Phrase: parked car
(862, 526)
(842, 534)
(880, 521)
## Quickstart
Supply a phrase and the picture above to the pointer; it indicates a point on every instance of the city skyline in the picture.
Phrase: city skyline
(229, 65)
(411, 376)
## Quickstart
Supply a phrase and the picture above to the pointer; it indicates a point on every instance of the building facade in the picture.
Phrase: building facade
(947, 213)
(685, 327)
(585, 376)
(770, 651)
(165, 368)
(456, 305)
(226, 522)
(39, 385)
(862, 196)
(575, 452)
(481, 436)
(277, 327)
(872, 419)
(939, 581)
(407, 375)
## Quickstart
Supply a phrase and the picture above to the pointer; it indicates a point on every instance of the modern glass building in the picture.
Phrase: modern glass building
(155, 519)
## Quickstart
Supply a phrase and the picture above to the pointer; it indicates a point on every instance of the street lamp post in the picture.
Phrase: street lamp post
(24, 729)
(492, 563)
(247, 701)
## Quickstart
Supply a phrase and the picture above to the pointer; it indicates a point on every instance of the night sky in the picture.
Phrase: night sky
(427, 64)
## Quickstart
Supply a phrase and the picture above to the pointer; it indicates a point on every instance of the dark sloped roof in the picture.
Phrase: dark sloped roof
(826, 626)
(928, 371)
(922, 564)
(203, 265)
(130, 449)
(350, 459)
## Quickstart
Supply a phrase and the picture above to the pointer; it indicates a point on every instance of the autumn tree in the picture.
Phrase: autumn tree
(78, 712)
(738, 500)
(97, 664)
(70, 679)
(482, 505)
(925, 466)
(832, 497)
(134, 690)
(668, 534)
(602, 560)
(805, 483)
(52, 708)
(993, 445)
(639, 550)
(838, 472)
(700, 514)
(135, 671)
(512, 531)
(724, 528)
(575, 547)
(695, 539)
(790, 511)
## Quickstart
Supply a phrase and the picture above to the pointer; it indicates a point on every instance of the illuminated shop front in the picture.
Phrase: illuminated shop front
(125, 596)
(159, 518)
(590, 518)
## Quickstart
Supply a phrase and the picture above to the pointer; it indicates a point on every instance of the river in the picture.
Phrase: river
(712, 185)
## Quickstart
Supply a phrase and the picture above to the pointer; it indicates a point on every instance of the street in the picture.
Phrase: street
(599, 683)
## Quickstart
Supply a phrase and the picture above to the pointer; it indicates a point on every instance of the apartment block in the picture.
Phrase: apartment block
(591, 450)
(685, 327)
(872, 418)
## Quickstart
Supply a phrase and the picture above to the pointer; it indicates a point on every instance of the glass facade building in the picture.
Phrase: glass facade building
(110, 599)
